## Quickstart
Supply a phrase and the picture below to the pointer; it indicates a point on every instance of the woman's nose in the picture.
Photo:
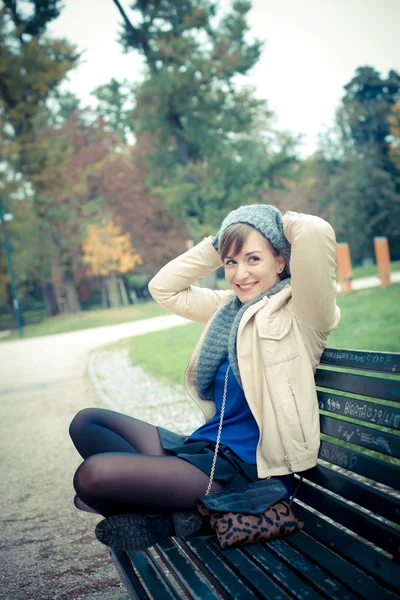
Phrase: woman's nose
(241, 272)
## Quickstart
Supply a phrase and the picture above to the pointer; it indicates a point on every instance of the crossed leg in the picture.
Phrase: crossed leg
(98, 430)
(126, 469)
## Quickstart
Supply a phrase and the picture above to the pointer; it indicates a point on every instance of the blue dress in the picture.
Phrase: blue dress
(239, 429)
(236, 462)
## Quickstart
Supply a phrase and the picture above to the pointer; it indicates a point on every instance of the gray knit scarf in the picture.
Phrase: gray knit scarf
(220, 341)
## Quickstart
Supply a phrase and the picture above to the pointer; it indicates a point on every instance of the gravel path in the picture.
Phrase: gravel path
(128, 389)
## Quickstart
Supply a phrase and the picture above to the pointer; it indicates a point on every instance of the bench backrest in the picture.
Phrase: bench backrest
(359, 467)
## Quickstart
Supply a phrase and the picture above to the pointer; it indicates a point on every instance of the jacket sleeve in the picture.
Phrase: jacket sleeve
(313, 270)
(174, 285)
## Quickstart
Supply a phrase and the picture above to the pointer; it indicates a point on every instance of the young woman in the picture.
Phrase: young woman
(262, 342)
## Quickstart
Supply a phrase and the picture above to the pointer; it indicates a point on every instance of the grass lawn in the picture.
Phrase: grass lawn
(87, 320)
(370, 321)
(166, 353)
(369, 270)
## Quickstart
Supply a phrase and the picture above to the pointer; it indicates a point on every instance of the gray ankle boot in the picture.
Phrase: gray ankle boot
(136, 531)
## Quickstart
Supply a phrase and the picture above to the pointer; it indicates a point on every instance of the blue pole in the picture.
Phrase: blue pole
(11, 272)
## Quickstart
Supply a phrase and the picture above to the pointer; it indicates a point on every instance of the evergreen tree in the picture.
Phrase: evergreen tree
(208, 150)
(359, 172)
(394, 138)
(364, 117)
(366, 205)
(115, 104)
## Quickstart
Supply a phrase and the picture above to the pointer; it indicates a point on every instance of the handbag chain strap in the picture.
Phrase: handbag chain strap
(293, 495)
(219, 432)
(219, 438)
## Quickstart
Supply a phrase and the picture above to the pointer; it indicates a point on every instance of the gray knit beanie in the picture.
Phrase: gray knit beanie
(267, 219)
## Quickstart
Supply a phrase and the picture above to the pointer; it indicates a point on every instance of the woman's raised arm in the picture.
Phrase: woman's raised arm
(174, 285)
(313, 270)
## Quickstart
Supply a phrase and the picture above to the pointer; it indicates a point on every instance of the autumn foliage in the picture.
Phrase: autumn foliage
(108, 251)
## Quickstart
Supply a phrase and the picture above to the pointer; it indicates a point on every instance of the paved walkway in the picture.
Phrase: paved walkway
(373, 281)
(47, 548)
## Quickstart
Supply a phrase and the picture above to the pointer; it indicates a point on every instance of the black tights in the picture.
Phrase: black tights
(126, 470)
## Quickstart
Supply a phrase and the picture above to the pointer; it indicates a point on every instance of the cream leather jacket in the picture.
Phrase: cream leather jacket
(279, 342)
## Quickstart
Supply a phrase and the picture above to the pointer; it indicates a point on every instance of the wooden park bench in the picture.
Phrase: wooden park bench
(349, 547)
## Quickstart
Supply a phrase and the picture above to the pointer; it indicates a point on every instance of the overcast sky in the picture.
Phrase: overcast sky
(312, 50)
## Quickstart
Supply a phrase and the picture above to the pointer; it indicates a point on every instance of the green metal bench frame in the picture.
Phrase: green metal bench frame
(350, 545)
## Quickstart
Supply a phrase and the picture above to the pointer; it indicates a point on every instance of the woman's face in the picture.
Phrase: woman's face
(255, 269)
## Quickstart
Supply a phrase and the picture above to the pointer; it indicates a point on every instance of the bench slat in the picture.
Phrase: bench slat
(378, 533)
(128, 575)
(334, 564)
(364, 385)
(362, 410)
(372, 498)
(206, 557)
(298, 568)
(371, 561)
(266, 559)
(384, 362)
(254, 577)
(373, 468)
(189, 578)
(332, 586)
(152, 575)
(360, 435)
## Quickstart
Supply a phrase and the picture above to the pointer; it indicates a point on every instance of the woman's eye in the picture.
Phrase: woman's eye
(254, 258)
(229, 262)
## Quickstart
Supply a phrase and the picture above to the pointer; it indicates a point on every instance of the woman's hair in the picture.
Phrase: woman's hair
(233, 239)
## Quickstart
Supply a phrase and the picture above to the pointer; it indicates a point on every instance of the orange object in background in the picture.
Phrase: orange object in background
(382, 255)
(345, 272)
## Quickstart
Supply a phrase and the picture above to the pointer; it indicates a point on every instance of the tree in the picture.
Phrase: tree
(73, 159)
(366, 205)
(357, 175)
(158, 236)
(203, 129)
(109, 252)
(32, 67)
(63, 106)
(394, 139)
(115, 105)
(364, 117)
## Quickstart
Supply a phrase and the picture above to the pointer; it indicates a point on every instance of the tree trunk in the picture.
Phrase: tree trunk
(71, 294)
(50, 299)
(104, 295)
(113, 291)
(137, 35)
(109, 292)
(122, 289)
(10, 304)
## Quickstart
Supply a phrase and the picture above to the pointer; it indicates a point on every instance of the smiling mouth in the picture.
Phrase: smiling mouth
(244, 287)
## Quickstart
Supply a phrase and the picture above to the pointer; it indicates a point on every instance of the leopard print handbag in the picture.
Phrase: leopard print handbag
(250, 513)
(234, 529)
